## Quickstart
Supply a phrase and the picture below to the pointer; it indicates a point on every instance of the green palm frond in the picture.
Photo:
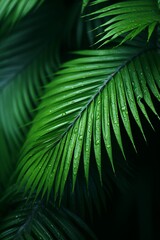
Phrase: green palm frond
(89, 95)
(14, 10)
(84, 4)
(98, 1)
(77, 121)
(28, 59)
(130, 18)
(38, 221)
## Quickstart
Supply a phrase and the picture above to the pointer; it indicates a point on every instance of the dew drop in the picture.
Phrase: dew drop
(87, 149)
(80, 137)
(75, 130)
(123, 108)
(116, 123)
(97, 142)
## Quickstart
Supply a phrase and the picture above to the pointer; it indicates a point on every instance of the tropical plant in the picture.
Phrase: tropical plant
(79, 102)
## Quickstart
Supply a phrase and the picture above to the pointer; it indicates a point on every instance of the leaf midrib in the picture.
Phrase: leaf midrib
(101, 89)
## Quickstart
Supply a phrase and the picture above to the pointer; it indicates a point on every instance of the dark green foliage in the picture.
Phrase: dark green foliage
(37, 220)
(79, 102)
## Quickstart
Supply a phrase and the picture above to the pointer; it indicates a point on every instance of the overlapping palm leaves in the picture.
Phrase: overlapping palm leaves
(129, 18)
(19, 96)
(29, 52)
(39, 221)
(13, 11)
(89, 95)
(88, 102)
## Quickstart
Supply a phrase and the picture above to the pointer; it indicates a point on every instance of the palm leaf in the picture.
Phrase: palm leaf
(28, 58)
(13, 11)
(129, 18)
(89, 95)
(84, 4)
(98, 1)
(38, 221)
